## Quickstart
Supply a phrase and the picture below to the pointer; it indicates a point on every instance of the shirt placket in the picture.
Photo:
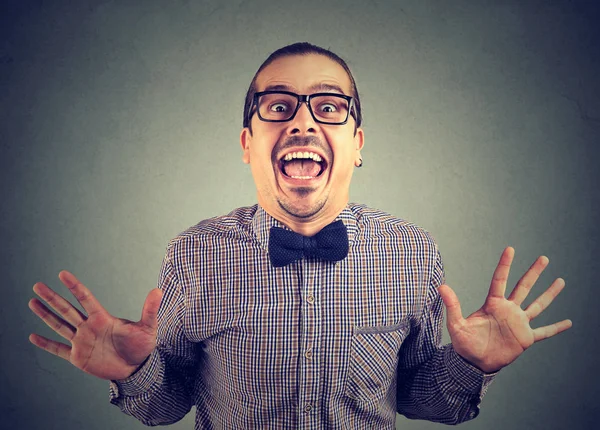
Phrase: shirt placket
(309, 377)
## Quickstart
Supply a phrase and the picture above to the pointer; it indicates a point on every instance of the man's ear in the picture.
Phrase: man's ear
(245, 140)
(359, 142)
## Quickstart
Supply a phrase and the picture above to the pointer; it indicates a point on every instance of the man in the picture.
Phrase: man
(303, 311)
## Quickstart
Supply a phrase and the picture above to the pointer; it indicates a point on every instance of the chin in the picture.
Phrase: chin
(302, 210)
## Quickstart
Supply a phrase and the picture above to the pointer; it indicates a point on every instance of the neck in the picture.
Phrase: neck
(306, 226)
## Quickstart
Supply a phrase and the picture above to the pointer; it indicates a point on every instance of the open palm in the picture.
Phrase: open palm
(496, 334)
(101, 344)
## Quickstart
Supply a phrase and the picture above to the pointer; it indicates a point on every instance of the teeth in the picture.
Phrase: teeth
(303, 155)
(302, 177)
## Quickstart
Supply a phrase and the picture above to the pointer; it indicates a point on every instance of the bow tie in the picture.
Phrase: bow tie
(286, 246)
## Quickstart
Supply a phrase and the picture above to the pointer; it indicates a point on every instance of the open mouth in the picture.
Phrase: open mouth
(302, 165)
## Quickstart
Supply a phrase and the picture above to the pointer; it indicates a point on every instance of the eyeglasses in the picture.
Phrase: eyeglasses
(281, 106)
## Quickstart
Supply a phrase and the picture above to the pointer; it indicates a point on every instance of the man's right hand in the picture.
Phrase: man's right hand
(102, 345)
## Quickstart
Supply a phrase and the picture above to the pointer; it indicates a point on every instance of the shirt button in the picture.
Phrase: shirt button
(308, 354)
(308, 408)
(310, 299)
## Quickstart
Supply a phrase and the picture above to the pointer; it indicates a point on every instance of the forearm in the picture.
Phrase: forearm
(161, 391)
(443, 389)
(158, 393)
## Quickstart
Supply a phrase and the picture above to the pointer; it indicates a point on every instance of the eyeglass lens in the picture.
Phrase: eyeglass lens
(281, 107)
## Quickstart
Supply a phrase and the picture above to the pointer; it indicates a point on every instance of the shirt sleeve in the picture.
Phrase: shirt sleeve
(434, 382)
(160, 391)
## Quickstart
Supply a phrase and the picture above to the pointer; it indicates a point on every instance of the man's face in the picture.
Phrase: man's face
(302, 191)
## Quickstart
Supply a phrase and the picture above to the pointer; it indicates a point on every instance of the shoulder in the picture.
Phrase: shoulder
(375, 223)
(233, 226)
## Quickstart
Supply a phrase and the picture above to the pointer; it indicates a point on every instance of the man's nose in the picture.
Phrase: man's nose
(303, 122)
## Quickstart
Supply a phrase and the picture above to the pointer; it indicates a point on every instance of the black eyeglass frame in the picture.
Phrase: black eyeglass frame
(302, 98)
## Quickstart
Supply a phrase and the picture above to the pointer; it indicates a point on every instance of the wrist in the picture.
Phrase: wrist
(480, 365)
(138, 367)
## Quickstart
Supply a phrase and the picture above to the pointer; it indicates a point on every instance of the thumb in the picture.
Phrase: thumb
(150, 310)
(451, 302)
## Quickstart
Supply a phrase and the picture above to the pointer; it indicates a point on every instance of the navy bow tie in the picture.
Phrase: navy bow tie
(286, 246)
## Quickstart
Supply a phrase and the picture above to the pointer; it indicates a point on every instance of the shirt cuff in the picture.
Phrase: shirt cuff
(149, 375)
(469, 377)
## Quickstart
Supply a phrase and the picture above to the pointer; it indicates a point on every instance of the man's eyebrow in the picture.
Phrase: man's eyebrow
(322, 87)
(317, 88)
(279, 87)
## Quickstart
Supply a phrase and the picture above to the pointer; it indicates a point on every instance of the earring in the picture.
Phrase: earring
(361, 163)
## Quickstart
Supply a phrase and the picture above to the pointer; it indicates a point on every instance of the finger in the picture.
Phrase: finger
(71, 314)
(498, 285)
(528, 280)
(545, 332)
(81, 293)
(150, 310)
(54, 322)
(451, 303)
(59, 349)
(543, 301)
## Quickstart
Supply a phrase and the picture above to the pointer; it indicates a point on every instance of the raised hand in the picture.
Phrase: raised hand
(102, 345)
(496, 334)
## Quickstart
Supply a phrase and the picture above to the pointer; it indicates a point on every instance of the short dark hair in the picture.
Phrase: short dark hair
(301, 48)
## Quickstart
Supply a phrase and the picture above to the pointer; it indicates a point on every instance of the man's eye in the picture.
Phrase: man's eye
(328, 108)
(278, 107)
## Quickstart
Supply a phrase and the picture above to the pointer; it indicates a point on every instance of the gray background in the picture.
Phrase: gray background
(120, 126)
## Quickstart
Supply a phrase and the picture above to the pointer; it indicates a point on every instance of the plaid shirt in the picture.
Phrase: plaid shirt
(311, 345)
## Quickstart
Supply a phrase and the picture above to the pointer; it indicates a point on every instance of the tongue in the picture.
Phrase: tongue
(302, 168)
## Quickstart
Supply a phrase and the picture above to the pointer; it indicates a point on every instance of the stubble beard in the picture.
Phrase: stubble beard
(297, 212)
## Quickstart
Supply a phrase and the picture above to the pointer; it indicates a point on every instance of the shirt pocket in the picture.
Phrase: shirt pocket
(373, 360)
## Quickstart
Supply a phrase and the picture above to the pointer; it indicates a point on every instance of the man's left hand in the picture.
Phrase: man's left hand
(496, 334)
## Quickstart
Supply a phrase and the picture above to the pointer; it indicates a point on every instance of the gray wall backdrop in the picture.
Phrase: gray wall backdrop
(120, 125)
